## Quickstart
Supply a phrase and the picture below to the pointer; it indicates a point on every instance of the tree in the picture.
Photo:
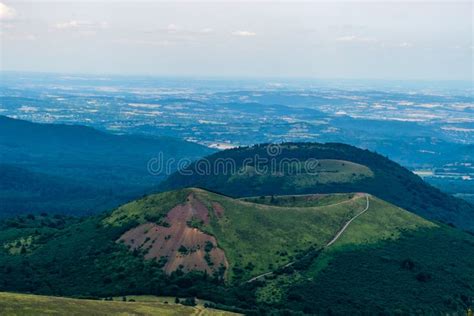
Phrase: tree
(190, 301)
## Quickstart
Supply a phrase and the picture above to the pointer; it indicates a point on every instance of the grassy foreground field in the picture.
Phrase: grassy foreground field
(25, 305)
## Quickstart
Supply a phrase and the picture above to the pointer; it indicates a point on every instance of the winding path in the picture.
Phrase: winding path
(348, 223)
(336, 237)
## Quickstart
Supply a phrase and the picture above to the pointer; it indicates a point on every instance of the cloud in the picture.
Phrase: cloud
(396, 45)
(177, 31)
(128, 41)
(174, 34)
(67, 25)
(167, 36)
(74, 24)
(244, 33)
(356, 39)
(6, 12)
(405, 45)
(172, 28)
(206, 30)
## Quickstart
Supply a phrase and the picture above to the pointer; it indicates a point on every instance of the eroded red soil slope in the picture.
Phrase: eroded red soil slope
(184, 247)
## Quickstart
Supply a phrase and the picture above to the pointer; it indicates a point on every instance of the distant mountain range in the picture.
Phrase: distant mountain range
(76, 169)
(24, 191)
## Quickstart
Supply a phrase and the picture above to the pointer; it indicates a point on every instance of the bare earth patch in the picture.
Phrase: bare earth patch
(184, 247)
(218, 209)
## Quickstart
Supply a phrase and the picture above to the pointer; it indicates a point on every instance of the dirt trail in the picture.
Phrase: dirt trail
(336, 237)
(348, 223)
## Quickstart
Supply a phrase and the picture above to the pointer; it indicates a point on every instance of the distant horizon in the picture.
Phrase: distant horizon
(228, 77)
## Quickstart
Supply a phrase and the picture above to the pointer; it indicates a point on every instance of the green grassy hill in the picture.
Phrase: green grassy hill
(328, 171)
(309, 168)
(254, 236)
(13, 304)
(195, 243)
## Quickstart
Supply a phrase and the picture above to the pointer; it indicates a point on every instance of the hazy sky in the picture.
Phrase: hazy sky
(354, 39)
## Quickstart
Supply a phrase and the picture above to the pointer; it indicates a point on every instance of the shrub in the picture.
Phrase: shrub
(183, 250)
(190, 301)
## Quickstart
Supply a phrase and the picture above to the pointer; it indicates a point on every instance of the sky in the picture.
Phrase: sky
(403, 40)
